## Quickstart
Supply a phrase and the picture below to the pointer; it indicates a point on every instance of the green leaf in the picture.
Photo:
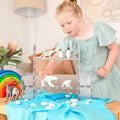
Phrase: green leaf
(16, 52)
(15, 57)
(6, 50)
(4, 59)
(3, 51)
(1, 48)
(16, 66)
(15, 61)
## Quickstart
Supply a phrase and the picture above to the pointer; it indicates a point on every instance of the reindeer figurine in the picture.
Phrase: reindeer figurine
(8, 90)
(15, 91)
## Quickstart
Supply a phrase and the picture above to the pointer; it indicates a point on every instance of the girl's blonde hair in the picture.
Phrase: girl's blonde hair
(68, 6)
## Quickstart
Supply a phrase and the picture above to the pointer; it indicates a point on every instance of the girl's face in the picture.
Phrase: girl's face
(69, 23)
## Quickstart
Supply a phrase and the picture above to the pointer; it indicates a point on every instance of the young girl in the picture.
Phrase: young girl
(98, 49)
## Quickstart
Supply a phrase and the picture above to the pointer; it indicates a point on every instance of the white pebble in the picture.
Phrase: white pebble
(89, 100)
(51, 104)
(32, 104)
(17, 102)
(25, 99)
(76, 100)
(44, 103)
(73, 104)
(67, 96)
(49, 107)
(87, 103)
(72, 100)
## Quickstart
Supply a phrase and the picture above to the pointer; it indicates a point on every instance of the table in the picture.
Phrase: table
(114, 107)
(2, 109)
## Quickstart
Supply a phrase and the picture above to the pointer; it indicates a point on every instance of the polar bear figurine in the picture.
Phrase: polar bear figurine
(66, 83)
(49, 80)
(47, 54)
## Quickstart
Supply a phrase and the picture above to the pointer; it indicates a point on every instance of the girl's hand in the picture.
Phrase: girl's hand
(50, 67)
(42, 74)
(102, 72)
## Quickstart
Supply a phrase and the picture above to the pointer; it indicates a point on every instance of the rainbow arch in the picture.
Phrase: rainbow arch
(5, 75)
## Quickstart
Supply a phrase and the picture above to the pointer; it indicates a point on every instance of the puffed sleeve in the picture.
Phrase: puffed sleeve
(106, 34)
(64, 44)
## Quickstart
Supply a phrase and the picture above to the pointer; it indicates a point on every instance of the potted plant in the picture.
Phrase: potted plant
(8, 55)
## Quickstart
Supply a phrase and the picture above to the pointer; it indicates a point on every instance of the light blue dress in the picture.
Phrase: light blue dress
(93, 55)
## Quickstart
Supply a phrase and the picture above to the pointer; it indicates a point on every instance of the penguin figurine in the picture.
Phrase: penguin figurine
(68, 53)
(60, 54)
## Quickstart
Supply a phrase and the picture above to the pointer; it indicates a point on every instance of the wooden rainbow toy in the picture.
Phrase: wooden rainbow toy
(5, 75)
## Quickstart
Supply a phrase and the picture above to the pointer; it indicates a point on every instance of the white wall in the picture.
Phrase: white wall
(47, 30)
(12, 26)
(116, 26)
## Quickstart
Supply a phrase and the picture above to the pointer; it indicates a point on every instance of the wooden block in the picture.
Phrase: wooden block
(114, 107)
(2, 105)
(3, 117)
(119, 117)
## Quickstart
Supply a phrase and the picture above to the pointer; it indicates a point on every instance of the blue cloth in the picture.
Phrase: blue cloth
(85, 109)
(55, 96)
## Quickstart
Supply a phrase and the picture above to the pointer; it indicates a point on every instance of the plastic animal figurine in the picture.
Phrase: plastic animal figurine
(66, 83)
(60, 53)
(15, 91)
(68, 53)
(49, 80)
(8, 91)
(47, 54)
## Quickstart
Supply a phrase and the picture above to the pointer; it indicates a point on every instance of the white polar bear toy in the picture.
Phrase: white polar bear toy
(66, 83)
(47, 54)
(49, 80)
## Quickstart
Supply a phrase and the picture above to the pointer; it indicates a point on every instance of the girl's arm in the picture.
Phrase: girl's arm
(103, 72)
(50, 67)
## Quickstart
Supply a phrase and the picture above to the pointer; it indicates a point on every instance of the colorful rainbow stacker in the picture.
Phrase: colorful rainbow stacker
(5, 75)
